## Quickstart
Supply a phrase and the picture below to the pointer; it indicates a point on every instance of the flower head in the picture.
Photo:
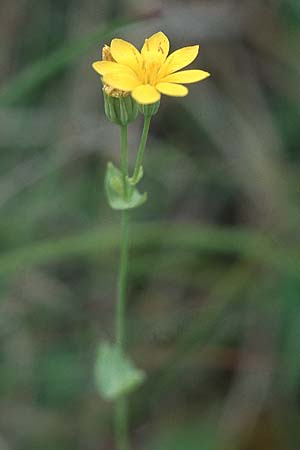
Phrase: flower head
(149, 73)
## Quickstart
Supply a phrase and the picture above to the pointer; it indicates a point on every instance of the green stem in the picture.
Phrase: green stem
(122, 281)
(141, 150)
(121, 424)
(121, 411)
(124, 157)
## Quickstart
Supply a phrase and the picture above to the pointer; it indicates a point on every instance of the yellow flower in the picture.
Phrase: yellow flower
(151, 72)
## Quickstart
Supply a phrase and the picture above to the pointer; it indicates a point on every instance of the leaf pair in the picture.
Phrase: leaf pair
(115, 373)
(119, 196)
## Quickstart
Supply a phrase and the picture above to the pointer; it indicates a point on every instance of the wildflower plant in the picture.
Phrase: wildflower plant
(133, 82)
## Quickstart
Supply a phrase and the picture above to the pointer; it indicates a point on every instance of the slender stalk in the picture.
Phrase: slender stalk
(141, 150)
(122, 281)
(121, 411)
(122, 440)
(124, 157)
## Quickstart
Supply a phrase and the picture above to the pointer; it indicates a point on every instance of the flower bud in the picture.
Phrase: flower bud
(106, 53)
(149, 110)
(119, 106)
(120, 110)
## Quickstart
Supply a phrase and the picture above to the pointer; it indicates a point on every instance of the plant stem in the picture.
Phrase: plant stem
(124, 157)
(141, 150)
(121, 411)
(122, 281)
(121, 424)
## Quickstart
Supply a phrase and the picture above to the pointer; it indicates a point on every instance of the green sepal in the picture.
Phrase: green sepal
(149, 110)
(115, 373)
(114, 186)
(120, 110)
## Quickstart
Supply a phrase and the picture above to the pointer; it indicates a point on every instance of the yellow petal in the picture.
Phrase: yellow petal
(175, 90)
(179, 59)
(156, 46)
(186, 76)
(104, 67)
(145, 94)
(122, 81)
(125, 53)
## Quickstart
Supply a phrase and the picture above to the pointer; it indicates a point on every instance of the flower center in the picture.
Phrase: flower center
(150, 69)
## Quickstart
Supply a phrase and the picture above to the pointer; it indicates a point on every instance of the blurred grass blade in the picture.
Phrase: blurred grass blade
(46, 68)
(247, 244)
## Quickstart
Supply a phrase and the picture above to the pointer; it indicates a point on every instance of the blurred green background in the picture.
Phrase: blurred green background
(214, 307)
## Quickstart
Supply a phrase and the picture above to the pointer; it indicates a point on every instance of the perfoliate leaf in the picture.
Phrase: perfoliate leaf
(114, 186)
(115, 374)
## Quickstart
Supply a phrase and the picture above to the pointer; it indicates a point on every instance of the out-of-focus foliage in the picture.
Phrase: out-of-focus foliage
(214, 298)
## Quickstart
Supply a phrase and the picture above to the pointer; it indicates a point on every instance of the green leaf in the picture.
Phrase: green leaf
(115, 374)
(114, 186)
